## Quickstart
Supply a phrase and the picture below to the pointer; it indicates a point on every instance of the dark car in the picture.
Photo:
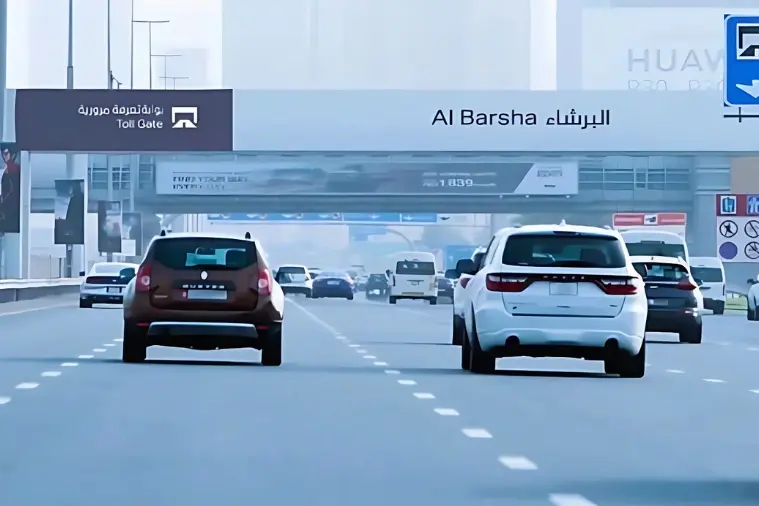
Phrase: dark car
(673, 297)
(376, 286)
(444, 288)
(203, 292)
(337, 285)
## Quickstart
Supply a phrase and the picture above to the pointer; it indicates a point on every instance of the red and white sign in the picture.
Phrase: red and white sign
(671, 222)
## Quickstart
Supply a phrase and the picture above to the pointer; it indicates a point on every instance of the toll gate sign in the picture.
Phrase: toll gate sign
(124, 120)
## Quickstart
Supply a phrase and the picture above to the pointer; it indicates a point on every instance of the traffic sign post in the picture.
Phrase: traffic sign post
(737, 228)
(741, 81)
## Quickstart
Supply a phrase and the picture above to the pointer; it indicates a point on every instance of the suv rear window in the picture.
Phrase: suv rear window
(655, 249)
(708, 274)
(651, 271)
(415, 268)
(206, 253)
(564, 250)
(291, 275)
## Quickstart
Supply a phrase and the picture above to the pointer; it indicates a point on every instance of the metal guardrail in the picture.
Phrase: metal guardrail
(13, 290)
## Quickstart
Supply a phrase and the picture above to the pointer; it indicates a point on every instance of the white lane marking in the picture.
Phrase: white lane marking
(4, 400)
(27, 386)
(69, 364)
(370, 357)
(99, 350)
(31, 310)
(423, 395)
(360, 352)
(51, 374)
(648, 364)
(754, 391)
(381, 363)
(477, 433)
(118, 340)
(332, 330)
(354, 345)
(675, 371)
(517, 463)
(109, 345)
(340, 338)
(446, 412)
(711, 380)
(752, 348)
(406, 382)
(569, 500)
(86, 356)
(392, 371)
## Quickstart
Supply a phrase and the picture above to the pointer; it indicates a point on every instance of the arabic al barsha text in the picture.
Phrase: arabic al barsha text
(470, 117)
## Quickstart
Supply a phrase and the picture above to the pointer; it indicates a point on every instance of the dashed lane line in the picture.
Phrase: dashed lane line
(383, 364)
(354, 345)
(99, 350)
(517, 463)
(675, 371)
(27, 386)
(754, 391)
(50, 374)
(392, 371)
(477, 433)
(118, 340)
(69, 364)
(446, 412)
(423, 395)
(569, 500)
(4, 400)
(360, 352)
(109, 345)
(712, 380)
(406, 382)
(86, 356)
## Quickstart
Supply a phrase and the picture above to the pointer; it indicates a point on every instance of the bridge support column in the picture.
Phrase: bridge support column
(77, 169)
(711, 175)
(16, 246)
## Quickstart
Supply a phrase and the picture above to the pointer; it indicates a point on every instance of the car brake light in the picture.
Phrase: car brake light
(505, 283)
(618, 286)
(686, 284)
(89, 281)
(142, 284)
(464, 281)
(263, 286)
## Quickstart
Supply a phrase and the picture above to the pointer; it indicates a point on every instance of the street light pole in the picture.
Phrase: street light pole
(69, 268)
(131, 49)
(150, 24)
(165, 63)
(108, 37)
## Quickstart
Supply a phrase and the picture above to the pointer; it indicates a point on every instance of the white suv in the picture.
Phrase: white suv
(555, 291)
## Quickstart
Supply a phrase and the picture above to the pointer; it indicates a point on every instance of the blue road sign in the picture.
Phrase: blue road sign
(741, 82)
(752, 205)
(372, 217)
(728, 205)
(418, 217)
(278, 217)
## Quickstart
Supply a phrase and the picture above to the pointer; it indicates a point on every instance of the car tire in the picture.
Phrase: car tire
(691, 335)
(350, 297)
(720, 309)
(632, 366)
(393, 300)
(480, 362)
(750, 314)
(310, 294)
(84, 304)
(611, 365)
(458, 338)
(433, 301)
(466, 353)
(271, 352)
(133, 349)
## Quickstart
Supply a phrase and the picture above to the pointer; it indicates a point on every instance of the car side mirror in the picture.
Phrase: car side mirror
(466, 266)
(127, 273)
(451, 274)
(751, 281)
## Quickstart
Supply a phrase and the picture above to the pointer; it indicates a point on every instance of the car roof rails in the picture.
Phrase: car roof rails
(163, 232)
(247, 235)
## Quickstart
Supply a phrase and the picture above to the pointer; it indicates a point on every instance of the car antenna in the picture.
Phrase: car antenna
(247, 235)
(163, 232)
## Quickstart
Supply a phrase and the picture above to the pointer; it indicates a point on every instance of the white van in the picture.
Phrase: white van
(711, 272)
(413, 276)
(294, 279)
(655, 243)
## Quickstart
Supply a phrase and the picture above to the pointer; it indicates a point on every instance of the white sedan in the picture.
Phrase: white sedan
(105, 283)
(459, 297)
(753, 300)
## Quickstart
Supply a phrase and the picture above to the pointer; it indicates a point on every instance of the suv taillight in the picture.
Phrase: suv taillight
(506, 283)
(263, 285)
(618, 286)
(686, 284)
(142, 283)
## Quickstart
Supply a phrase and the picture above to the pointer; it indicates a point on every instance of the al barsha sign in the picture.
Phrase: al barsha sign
(124, 120)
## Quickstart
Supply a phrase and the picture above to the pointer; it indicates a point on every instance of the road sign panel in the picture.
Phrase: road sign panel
(741, 83)
(728, 205)
(738, 239)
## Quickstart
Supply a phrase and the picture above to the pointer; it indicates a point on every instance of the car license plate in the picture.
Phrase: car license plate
(116, 289)
(206, 295)
(562, 289)
(656, 302)
(333, 283)
(413, 293)
(375, 292)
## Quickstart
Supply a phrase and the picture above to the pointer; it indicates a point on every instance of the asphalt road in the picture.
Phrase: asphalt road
(369, 408)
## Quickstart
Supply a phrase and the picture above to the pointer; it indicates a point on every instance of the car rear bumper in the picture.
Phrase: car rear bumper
(332, 292)
(296, 289)
(712, 304)
(673, 320)
(207, 336)
(580, 337)
(101, 298)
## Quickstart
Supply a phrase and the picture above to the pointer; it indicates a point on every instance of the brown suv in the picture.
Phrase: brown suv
(203, 292)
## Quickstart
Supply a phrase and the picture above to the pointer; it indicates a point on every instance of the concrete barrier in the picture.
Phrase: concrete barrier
(13, 290)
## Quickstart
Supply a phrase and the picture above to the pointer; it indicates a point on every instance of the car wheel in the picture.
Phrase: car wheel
(271, 353)
(83, 304)
(720, 309)
(393, 300)
(433, 301)
(692, 335)
(310, 294)
(480, 362)
(133, 349)
(466, 353)
(458, 331)
(750, 314)
(611, 365)
(350, 297)
(633, 366)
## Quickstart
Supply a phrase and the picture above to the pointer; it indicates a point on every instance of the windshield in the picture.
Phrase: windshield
(564, 250)
(110, 269)
(340, 275)
(415, 268)
(655, 249)
(204, 253)
(291, 275)
(651, 271)
(708, 274)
